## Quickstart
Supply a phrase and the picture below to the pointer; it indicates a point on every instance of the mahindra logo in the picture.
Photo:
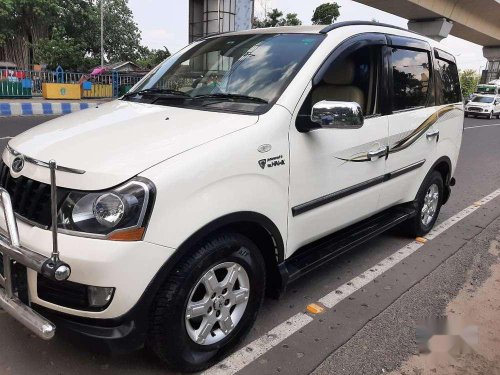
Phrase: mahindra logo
(17, 164)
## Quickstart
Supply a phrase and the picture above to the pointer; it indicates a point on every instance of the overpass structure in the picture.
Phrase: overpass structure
(477, 21)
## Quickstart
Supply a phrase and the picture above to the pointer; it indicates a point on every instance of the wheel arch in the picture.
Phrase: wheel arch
(444, 166)
(257, 227)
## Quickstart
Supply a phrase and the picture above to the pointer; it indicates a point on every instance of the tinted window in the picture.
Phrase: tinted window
(483, 99)
(447, 83)
(410, 71)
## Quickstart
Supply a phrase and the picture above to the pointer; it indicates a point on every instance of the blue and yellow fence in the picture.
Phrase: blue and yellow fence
(30, 83)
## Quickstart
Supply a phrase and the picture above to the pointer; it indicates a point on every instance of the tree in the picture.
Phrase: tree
(60, 50)
(275, 18)
(152, 57)
(30, 30)
(468, 81)
(292, 20)
(326, 14)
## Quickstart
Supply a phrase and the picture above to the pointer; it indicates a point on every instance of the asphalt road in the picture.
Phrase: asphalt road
(371, 332)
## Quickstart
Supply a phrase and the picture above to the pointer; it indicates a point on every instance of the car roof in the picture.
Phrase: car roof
(307, 29)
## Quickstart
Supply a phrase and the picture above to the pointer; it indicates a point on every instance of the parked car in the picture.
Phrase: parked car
(175, 211)
(484, 105)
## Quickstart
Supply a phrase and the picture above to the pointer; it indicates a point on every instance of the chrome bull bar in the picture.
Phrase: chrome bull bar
(12, 251)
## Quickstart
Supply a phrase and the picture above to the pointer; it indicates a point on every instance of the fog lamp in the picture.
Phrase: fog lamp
(99, 297)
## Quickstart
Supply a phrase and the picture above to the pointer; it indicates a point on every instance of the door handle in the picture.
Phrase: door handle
(432, 133)
(377, 153)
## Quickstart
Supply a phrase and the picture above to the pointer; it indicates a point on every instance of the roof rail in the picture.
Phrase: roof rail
(338, 25)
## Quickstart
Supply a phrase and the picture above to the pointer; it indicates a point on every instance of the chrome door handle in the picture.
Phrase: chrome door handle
(377, 153)
(432, 133)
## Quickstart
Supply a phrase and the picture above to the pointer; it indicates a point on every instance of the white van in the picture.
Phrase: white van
(239, 164)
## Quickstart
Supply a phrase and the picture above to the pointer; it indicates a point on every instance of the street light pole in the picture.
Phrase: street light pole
(102, 34)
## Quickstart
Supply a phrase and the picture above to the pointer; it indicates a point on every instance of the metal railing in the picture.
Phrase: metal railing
(16, 83)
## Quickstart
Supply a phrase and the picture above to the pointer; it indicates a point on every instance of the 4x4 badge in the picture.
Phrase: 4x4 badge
(262, 163)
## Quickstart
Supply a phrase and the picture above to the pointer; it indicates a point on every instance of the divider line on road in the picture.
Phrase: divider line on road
(481, 126)
(249, 353)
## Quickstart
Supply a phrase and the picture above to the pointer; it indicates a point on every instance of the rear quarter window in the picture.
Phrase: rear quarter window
(447, 82)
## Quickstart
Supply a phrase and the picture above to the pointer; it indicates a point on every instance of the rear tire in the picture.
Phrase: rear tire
(190, 328)
(429, 201)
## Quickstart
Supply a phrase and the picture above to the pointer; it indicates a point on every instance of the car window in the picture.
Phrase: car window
(447, 83)
(483, 99)
(235, 72)
(411, 74)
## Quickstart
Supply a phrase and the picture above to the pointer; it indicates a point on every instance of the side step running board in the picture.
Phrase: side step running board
(317, 253)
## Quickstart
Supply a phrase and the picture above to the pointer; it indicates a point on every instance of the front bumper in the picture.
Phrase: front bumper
(129, 267)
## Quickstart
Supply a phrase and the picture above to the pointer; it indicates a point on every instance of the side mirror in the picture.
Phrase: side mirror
(337, 115)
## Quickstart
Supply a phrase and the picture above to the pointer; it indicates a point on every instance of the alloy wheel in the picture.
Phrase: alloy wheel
(217, 303)
(431, 200)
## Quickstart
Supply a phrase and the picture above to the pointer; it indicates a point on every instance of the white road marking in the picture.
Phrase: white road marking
(481, 126)
(244, 356)
(254, 350)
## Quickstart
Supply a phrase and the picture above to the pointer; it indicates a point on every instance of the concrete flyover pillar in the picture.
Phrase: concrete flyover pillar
(437, 28)
(492, 71)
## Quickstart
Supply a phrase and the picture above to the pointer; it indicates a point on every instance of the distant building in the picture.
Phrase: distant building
(123, 66)
(208, 17)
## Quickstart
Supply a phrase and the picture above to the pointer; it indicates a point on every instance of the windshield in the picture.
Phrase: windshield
(483, 99)
(235, 73)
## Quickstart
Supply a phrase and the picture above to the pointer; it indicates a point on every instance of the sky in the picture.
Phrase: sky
(165, 23)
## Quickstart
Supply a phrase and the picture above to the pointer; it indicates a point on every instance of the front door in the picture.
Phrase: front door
(333, 181)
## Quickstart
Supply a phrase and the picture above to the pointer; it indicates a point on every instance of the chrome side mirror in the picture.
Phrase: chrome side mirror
(337, 115)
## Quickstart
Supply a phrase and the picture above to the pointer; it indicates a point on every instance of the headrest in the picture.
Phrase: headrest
(341, 73)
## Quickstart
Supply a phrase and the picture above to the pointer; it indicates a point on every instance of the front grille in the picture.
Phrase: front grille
(30, 198)
(476, 109)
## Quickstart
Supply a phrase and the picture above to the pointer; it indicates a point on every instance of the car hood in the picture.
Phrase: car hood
(479, 104)
(118, 140)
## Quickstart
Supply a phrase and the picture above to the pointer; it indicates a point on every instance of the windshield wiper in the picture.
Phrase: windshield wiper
(228, 96)
(161, 93)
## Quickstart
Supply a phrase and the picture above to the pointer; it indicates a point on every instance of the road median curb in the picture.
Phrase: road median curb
(40, 109)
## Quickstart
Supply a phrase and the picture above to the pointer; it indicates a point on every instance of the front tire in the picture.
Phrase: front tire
(429, 201)
(490, 116)
(208, 303)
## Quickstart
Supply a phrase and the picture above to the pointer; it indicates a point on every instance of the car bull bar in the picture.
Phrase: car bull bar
(12, 251)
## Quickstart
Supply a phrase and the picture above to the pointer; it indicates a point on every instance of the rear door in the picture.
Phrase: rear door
(412, 136)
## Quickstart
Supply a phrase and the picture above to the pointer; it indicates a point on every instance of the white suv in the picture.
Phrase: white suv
(483, 105)
(239, 164)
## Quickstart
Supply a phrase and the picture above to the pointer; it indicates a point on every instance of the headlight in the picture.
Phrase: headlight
(117, 214)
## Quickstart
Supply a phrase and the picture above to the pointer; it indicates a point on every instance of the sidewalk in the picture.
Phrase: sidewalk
(39, 106)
